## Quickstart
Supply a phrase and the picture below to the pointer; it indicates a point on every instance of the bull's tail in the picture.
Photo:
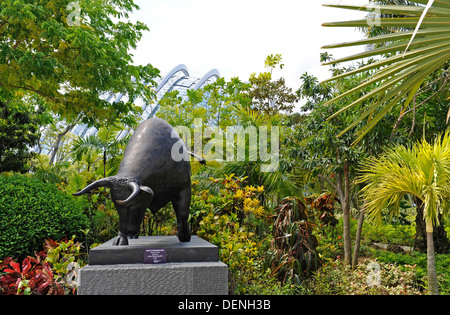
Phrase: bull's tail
(201, 160)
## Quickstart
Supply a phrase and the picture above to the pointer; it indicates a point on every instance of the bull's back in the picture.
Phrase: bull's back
(148, 156)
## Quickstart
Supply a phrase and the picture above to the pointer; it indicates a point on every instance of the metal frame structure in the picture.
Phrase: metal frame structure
(178, 79)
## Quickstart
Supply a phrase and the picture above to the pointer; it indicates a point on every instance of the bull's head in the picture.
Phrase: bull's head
(130, 199)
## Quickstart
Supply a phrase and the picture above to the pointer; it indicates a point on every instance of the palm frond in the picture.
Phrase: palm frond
(398, 77)
(421, 170)
(82, 146)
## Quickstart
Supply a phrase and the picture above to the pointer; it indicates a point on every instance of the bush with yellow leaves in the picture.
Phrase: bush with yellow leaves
(230, 220)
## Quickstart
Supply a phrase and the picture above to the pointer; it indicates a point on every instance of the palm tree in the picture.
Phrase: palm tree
(423, 171)
(279, 182)
(105, 141)
(417, 46)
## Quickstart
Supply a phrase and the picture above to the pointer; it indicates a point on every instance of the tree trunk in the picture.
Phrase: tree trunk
(55, 147)
(344, 196)
(358, 238)
(431, 262)
(441, 243)
(346, 217)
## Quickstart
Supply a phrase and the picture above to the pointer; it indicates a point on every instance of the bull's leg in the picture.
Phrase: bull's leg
(181, 204)
(120, 240)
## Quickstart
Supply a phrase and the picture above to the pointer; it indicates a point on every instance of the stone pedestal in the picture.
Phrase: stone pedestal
(157, 265)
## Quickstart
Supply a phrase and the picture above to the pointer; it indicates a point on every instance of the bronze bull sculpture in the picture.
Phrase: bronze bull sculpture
(149, 178)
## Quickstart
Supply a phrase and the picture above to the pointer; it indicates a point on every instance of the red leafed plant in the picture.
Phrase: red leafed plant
(34, 277)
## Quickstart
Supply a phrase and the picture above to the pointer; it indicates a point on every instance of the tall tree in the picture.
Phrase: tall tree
(228, 110)
(105, 142)
(72, 54)
(19, 131)
(327, 158)
(423, 171)
(271, 96)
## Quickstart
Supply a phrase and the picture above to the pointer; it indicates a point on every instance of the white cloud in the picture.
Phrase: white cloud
(235, 36)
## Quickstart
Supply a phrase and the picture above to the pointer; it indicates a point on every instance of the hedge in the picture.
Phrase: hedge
(32, 211)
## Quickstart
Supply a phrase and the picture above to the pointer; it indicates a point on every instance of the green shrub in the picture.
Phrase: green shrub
(420, 261)
(231, 222)
(32, 211)
(53, 271)
(370, 277)
(264, 283)
(293, 251)
(389, 234)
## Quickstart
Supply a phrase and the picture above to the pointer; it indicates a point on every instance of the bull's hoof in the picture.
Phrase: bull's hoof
(120, 240)
(184, 236)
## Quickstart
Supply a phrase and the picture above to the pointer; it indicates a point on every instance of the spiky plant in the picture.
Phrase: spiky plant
(421, 170)
(416, 44)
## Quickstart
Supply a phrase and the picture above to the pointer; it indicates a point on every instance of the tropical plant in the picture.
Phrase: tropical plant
(271, 96)
(65, 259)
(227, 212)
(33, 277)
(105, 142)
(70, 53)
(316, 149)
(52, 271)
(368, 278)
(421, 170)
(19, 130)
(292, 252)
(412, 55)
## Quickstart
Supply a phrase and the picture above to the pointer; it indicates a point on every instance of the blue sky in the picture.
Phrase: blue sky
(235, 36)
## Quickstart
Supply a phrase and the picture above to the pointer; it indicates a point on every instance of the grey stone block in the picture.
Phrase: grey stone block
(188, 278)
(197, 250)
(191, 268)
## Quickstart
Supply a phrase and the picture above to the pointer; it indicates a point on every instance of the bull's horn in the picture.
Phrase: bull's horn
(136, 189)
(100, 183)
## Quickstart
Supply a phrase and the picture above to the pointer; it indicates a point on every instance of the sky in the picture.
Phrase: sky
(236, 36)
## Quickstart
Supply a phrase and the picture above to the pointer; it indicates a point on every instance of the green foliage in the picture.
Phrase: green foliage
(419, 260)
(236, 246)
(32, 211)
(338, 279)
(19, 130)
(65, 257)
(51, 272)
(264, 283)
(104, 142)
(412, 57)
(293, 252)
(162, 222)
(225, 196)
(388, 234)
(271, 96)
(70, 55)
(104, 221)
(229, 219)
(317, 143)
(422, 170)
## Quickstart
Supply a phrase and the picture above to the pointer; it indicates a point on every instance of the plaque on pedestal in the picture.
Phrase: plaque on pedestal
(141, 250)
(154, 265)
